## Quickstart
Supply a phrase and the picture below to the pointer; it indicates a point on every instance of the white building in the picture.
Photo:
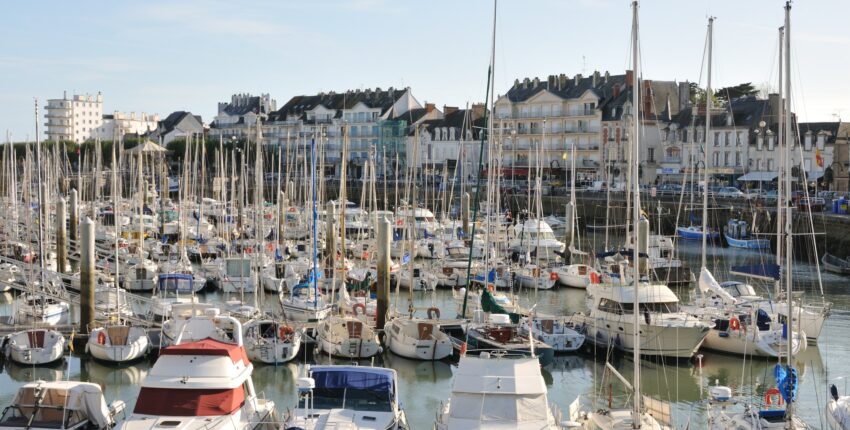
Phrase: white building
(375, 119)
(119, 124)
(451, 142)
(74, 119)
(178, 125)
(239, 117)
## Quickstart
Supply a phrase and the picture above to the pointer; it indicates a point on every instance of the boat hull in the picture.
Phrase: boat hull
(747, 243)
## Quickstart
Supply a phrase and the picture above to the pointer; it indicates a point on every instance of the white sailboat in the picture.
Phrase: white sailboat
(271, 342)
(34, 347)
(348, 337)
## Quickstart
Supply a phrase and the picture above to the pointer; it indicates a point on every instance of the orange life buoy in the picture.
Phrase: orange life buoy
(594, 278)
(433, 311)
(248, 250)
(101, 338)
(734, 324)
(358, 306)
(399, 222)
(269, 247)
(553, 276)
(285, 331)
(292, 209)
(491, 287)
(770, 394)
(365, 255)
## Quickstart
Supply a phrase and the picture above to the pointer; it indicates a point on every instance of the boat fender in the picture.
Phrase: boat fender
(360, 306)
(735, 324)
(594, 278)
(101, 338)
(491, 287)
(433, 311)
(833, 391)
(770, 394)
(553, 276)
(284, 332)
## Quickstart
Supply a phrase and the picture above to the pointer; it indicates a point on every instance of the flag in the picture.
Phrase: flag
(818, 157)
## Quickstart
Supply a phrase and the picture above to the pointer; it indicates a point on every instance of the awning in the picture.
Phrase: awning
(758, 177)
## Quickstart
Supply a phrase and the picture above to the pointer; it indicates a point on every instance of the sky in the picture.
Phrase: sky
(163, 56)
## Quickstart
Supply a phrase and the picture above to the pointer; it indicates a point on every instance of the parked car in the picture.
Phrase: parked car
(669, 189)
(730, 193)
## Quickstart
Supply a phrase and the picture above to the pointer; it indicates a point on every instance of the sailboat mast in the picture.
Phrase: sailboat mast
(636, 420)
(780, 183)
(789, 405)
(708, 103)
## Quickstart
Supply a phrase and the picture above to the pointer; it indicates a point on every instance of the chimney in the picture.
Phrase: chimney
(477, 111)
(550, 82)
(595, 78)
(516, 83)
(577, 79)
(449, 110)
(536, 82)
(684, 94)
(562, 81)
(429, 107)
(630, 75)
(607, 76)
(525, 83)
(774, 103)
(616, 91)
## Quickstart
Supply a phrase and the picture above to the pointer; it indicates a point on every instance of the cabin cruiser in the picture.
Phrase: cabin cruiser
(535, 237)
(236, 275)
(665, 330)
(34, 347)
(204, 384)
(347, 397)
(172, 289)
(493, 391)
(141, 276)
(191, 322)
(553, 331)
(424, 221)
(62, 405)
(495, 332)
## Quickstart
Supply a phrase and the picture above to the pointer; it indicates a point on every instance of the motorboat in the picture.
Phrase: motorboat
(493, 391)
(118, 343)
(271, 342)
(556, 332)
(236, 275)
(535, 237)
(34, 347)
(172, 289)
(347, 397)
(141, 276)
(665, 330)
(695, 232)
(348, 337)
(192, 322)
(737, 234)
(60, 405)
(834, 264)
(490, 332)
(204, 384)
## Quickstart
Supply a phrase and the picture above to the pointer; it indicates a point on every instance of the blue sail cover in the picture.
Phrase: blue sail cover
(339, 379)
(786, 381)
(765, 271)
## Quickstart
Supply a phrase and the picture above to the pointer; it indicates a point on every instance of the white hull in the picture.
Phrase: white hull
(656, 340)
(305, 312)
(752, 342)
(403, 338)
(135, 346)
(47, 348)
(273, 351)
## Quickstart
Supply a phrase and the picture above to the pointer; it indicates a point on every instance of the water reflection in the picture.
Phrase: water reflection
(24, 374)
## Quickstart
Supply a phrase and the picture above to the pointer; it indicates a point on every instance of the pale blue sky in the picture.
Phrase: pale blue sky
(162, 56)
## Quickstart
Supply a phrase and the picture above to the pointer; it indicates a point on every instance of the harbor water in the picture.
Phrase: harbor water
(424, 385)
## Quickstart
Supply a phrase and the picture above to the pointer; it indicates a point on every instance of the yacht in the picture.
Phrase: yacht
(191, 322)
(60, 405)
(347, 336)
(347, 397)
(118, 343)
(417, 338)
(553, 331)
(534, 236)
(172, 289)
(271, 342)
(34, 347)
(204, 384)
(665, 330)
(497, 392)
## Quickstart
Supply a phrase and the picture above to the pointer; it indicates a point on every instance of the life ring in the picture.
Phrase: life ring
(433, 311)
(553, 276)
(284, 332)
(358, 306)
(594, 278)
(365, 255)
(101, 338)
(269, 247)
(491, 287)
(770, 394)
(291, 209)
(735, 324)
(248, 250)
(399, 222)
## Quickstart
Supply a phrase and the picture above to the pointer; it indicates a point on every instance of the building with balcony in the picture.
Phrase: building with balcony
(744, 142)
(451, 143)
(238, 118)
(374, 121)
(119, 124)
(73, 119)
(587, 116)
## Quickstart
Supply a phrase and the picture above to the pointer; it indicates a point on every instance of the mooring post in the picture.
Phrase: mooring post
(87, 275)
(383, 271)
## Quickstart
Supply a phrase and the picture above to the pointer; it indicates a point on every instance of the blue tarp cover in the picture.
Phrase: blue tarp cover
(331, 379)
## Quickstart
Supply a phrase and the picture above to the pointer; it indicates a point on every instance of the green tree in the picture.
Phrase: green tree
(733, 92)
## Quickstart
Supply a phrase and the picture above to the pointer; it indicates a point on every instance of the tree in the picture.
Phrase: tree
(731, 93)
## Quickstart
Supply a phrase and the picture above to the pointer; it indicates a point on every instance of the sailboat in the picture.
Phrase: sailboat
(34, 347)
(118, 343)
(269, 341)
(721, 417)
